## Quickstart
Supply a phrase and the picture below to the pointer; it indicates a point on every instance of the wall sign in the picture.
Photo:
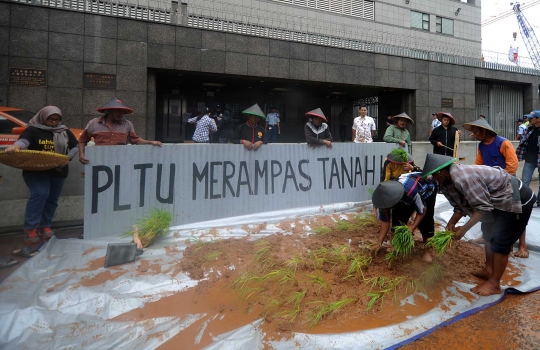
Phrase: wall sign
(99, 81)
(447, 102)
(28, 76)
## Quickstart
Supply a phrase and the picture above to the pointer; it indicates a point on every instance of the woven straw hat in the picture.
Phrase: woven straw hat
(481, 123)
(435, 162)
(317, 113)
(387, 194)
(404, 116)
(440, 115)
(33, 160)
(255, 110)
(115, 104)
(395, 158)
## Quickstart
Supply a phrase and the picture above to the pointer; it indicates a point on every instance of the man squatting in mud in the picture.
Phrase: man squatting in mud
(501, 202)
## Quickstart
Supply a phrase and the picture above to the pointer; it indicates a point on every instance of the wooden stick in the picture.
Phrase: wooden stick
(136, 238)
(456, 146)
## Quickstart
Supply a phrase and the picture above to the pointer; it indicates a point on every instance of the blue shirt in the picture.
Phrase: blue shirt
(272, 118)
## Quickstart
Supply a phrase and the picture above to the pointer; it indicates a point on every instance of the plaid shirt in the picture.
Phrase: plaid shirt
(524, 141)
(417, 190)
(202, 130)
(479, 188)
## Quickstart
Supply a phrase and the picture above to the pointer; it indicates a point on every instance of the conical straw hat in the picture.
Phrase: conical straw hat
(317, 113)
(255, 110)
(435, 162)
(115, 104)
(405, 116)
(481, 123)
(440, 115)
(396, 156)
(387, 194)
(33, 160)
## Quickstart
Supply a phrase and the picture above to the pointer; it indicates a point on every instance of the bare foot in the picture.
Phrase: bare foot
(427, 257)
(486, 289)
(478, 240)
(483, 274)
(522, 253)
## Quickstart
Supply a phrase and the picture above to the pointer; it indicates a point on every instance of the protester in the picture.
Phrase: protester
(397, 162)
(272, 125)
(398, 200)
(398, 133)
(316, 130)
(434, 123)
(489, 195)
(45, 132)
(111, 129)
(529, 150)
(443, 137)
(363, 126)
(226, 127)
(494, 150)
(204, 127)
(251, 134)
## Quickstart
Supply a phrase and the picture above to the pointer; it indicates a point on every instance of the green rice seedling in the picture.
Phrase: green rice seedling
(296, 299)
(370, 192)
(440, 241)
(339, 255)
(428, 279)
(322, 230)
(400, 154)
(378, 281)
(156, 224)
(338, 305)
(344, 226)
(248, 292)
(320, 256)
(387, 286)
(212, 256)
(293, 263)
(402, 243)
(244, 280)
(358, 262)
(319, 281)
(321, 311)
(263, 255)
(199, 244)
(289, 315)
(365, 220)
(272, 304)
(284, 276)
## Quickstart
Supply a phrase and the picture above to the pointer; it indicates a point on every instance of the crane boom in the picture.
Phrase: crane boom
(529, 38)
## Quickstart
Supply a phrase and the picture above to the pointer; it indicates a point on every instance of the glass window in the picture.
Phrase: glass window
(444, 25)
(419, 20)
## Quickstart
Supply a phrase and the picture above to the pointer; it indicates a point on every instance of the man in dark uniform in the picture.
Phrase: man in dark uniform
(251, 134)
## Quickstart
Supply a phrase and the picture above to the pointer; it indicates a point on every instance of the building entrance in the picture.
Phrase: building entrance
(180, 95)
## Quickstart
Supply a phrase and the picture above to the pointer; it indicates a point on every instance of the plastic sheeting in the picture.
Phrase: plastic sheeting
(61, 299)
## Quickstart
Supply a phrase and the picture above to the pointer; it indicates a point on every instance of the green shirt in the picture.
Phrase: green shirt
(395, 135)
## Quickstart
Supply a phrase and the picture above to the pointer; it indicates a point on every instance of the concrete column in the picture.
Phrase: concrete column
(151, 105)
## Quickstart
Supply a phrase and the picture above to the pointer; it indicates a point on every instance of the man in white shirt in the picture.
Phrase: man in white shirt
(363, 126)
(434, 123)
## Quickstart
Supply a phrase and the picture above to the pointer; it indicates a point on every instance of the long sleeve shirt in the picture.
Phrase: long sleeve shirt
(395, 135)
(499, 152)
(316, 136)
(446, 136)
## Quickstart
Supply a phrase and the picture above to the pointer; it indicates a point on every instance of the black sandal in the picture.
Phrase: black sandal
(27, 252)
(6, 262)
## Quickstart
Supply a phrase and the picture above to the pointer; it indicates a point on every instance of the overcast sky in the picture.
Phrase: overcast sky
(497, 36)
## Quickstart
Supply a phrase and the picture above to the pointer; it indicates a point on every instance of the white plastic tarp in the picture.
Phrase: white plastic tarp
(46, 303)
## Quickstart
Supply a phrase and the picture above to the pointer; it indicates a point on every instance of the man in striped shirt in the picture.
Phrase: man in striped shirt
(111, 129)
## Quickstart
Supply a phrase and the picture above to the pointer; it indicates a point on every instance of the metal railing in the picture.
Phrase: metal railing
(242, 19)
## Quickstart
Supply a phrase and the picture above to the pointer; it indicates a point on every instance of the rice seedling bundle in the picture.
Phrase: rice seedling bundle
(402, 242)
(440, 241)
(155, 225)
(400, 154)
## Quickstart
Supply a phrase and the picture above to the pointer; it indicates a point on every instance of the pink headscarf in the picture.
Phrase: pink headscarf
(60, 136)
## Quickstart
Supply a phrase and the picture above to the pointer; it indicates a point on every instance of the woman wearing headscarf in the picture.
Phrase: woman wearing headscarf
(316, 130)
(45, 132)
